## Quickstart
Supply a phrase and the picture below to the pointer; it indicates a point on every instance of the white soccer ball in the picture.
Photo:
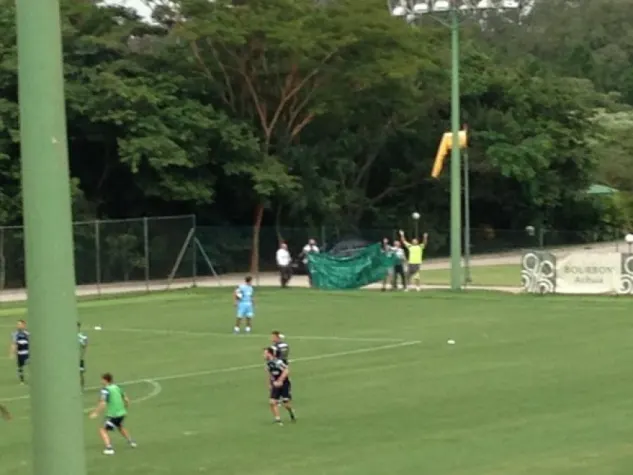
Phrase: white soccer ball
(282, 336)
(415, 215)
(451, 342)
(97, 328)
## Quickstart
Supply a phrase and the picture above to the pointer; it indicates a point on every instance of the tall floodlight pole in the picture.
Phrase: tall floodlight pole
(56, 399)
(456, 183)
(455, 10)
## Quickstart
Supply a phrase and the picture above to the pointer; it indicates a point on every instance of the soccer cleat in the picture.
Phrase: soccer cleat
(236, 330)
(132, 444)
(108, 451)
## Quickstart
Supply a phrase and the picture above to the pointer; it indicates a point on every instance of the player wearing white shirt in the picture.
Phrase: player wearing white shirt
(387, 249)
(283, 262)
(309, 248)
(400, 269)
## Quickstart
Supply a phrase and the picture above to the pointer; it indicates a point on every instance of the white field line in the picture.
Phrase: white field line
(154, 331)
(233, 369)
(156, 390)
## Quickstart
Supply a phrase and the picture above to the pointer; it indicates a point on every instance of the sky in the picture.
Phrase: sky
(145, 11)
(138, 5)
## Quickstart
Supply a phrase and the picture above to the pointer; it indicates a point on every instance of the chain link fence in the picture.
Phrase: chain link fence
(132, 251)
(229, 248)
(153, 251)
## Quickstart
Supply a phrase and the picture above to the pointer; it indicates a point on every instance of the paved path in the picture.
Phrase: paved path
(272, 279)
(267, 279)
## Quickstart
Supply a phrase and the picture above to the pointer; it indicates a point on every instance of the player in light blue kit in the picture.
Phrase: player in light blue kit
(244, 304)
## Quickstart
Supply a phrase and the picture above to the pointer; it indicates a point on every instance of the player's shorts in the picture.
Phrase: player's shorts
(414, 269)
(245, 310)
(284, 393)
(112, 423)
(82, 366)
(22, 360)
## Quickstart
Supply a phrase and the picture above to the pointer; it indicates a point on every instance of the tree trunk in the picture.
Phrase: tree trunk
(259, 216)
(280, 238)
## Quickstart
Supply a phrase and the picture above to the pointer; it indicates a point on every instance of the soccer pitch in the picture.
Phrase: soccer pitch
(533, 385)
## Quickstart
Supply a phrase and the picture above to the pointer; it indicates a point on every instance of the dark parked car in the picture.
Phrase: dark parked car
(344, 248)
(348, 247)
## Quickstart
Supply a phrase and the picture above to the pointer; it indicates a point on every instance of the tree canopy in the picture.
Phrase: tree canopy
(298, 112)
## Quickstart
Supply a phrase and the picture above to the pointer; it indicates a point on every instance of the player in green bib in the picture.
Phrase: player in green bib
(115, 403)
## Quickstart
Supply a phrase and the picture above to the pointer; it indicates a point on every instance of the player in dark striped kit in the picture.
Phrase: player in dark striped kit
(280, 386)
(20, 348)
(280, 347)
(83, 347)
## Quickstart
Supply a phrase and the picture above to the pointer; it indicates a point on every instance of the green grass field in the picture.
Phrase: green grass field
(534, 385)
(501, 275)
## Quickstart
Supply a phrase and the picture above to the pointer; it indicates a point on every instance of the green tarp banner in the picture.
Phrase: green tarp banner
(366, 266)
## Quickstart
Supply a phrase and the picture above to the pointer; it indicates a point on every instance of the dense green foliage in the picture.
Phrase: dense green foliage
(300, 113)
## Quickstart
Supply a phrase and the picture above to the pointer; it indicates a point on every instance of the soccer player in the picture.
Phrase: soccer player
(115, 403)
(280, 347)
(83, 347)
(20, 348)
(387, 249)
(279, 384)
(244, 303)
(400, 268)
(416, 253)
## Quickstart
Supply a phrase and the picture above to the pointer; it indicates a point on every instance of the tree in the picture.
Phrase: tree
(614, 149)
(531, 138)
(589, 39)
(10, 196)
(141, 128)
(277, 64)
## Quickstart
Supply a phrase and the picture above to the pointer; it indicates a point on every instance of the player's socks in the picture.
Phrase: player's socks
(236, 330)
(292, 414)
(21, 375)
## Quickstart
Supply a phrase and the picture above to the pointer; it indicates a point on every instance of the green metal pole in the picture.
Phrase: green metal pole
(456, 218)
(467, 273)
(56, 399)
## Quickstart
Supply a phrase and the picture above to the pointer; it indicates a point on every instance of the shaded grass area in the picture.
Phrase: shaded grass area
(496, 276)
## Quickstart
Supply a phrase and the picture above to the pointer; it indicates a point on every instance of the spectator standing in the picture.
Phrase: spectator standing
(400, 269)
(309, 248)
(387, 249)
(284, 261)
(416, 254)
